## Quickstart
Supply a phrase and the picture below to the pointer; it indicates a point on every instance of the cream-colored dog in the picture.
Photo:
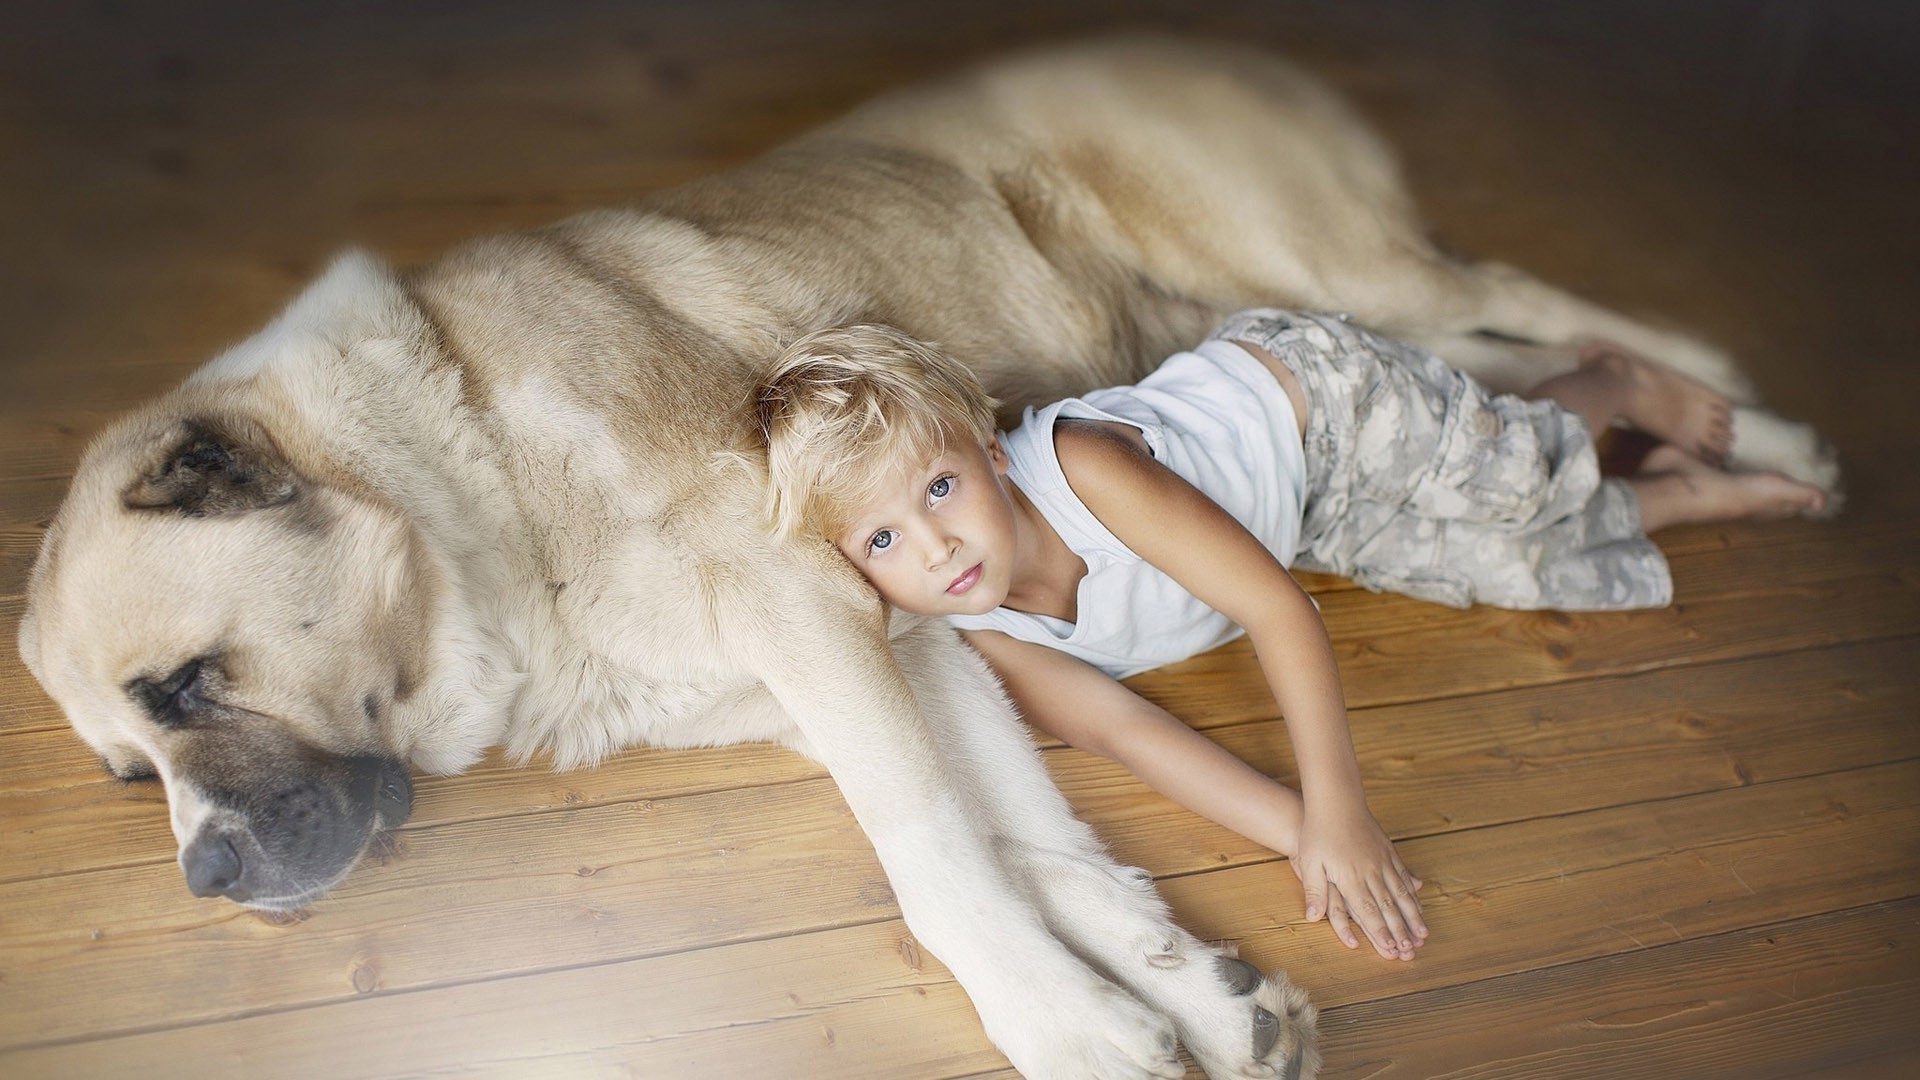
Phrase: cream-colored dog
(500, 499)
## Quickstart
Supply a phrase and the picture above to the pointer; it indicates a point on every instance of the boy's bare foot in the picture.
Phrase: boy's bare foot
(1676, 488)
(1666, 404)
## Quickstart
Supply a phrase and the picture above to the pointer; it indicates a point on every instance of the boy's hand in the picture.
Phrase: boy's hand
(1351, 873)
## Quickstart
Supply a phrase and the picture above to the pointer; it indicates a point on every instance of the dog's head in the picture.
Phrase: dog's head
(210, 611)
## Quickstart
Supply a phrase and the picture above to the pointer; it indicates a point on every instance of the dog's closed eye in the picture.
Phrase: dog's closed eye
(174, 699)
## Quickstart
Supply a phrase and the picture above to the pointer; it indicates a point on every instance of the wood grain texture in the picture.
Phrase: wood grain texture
(1666, 844)
(1454, 763)
(1773, 1001)
(1510, 899)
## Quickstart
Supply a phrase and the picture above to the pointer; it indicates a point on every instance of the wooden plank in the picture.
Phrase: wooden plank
(858, 1002)
(567, 888)
(1899, 1065)
(1742, 601)
(1433, 766)
(1816, 993)
(48, 440)
(1510, 899)
(1469, 762)
(23, 705)
(65, 814)
(561, 915)
(1555, 890)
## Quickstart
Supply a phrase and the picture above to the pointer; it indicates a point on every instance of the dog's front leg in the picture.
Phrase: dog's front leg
(1235, 1021)
(828, 664)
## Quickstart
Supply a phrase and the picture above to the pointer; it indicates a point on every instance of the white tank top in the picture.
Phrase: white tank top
(1217, 417)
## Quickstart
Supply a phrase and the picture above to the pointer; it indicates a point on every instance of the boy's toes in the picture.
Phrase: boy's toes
(1811, 501)
(1770, 496)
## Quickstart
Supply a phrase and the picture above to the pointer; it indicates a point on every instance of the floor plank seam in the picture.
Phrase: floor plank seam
(445, 984)
(1402, 838)
(1677, 664)
(1577, 680)
(1048, 748)
(1687, 942)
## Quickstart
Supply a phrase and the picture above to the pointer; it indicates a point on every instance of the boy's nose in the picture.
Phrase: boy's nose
(940, 550)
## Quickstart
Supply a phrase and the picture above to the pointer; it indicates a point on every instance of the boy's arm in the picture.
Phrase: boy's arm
(1343, 852)
(1081, 706)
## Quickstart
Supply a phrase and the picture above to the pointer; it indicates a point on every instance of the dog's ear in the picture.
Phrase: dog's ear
(207, 468)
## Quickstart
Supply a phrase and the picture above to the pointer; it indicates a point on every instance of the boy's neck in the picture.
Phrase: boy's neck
(1046, 572)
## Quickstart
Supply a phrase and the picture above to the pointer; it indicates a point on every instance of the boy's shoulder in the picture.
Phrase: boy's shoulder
(1097, 456)
(1083, 438)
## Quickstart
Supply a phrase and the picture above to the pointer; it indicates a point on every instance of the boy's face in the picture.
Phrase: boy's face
(941, 539)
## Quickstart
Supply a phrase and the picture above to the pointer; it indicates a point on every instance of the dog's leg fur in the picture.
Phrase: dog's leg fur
(1312, 213)
(1053, 1015)
(1431, 295)
(1234, 1021)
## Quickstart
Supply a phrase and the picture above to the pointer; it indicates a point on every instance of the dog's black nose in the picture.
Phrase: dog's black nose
(212, 866)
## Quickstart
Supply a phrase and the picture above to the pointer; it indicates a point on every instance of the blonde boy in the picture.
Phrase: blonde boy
(1110, 534)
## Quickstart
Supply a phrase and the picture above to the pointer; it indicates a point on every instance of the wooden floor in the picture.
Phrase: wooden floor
(1682, 843)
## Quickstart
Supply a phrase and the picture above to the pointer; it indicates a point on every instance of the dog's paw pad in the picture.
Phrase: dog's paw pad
(1266, 1032)
(1241, 977)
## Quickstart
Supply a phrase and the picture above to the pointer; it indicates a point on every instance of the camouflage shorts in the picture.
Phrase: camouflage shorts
(1420, 481)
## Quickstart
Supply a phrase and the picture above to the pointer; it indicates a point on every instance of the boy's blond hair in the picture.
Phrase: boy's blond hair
(843, 409)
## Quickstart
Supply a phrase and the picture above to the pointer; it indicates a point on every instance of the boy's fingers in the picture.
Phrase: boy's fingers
(1410, 907)
(1416, 924)
(1401, 867)
(1406, 875)
(1372, 919)
(1342, 925)
(1398, 935)
(1316, 886)
(1404, 886)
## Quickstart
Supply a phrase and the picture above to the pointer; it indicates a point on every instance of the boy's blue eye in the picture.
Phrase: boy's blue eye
(939, 488)
(881, 541)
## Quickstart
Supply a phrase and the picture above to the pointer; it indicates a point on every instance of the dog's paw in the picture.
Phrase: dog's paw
(1245, 1025)
(1099, 1033)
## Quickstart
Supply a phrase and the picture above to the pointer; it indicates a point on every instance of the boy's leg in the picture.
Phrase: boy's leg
(1444, 491)
(1594, 558)
(1676, 489)
(1611, 384)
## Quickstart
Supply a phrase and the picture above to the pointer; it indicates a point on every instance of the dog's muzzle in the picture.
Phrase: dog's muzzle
(284, 845)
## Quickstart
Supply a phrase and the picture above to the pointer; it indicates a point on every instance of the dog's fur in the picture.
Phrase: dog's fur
(503, 499)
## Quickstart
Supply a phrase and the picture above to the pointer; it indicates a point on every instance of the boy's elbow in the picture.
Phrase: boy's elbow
(1280, 613)
(1080, 733)
(1087, 737)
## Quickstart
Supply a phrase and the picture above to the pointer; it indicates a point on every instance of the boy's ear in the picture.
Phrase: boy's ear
(998, 455)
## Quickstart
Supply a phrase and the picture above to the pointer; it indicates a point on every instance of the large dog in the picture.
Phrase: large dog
(503, 498)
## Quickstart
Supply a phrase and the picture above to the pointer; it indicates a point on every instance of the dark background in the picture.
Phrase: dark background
(172, 173)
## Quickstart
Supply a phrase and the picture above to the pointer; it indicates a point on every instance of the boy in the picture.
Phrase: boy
(1136, 526)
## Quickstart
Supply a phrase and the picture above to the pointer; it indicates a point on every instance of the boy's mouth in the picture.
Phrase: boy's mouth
(965, 581)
